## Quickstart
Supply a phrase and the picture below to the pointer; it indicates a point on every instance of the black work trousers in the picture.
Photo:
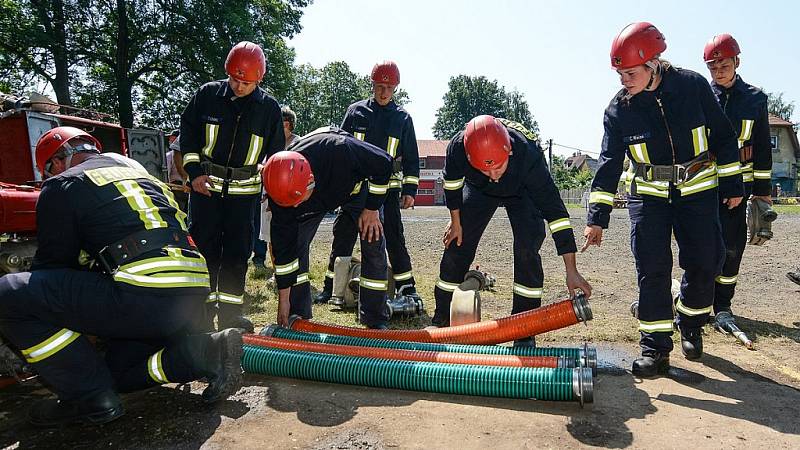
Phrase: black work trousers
(734, 232)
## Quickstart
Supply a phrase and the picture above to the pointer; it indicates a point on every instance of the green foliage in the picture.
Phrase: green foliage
(468, 97)
(777, 106)
(320, 97)
(569, 178)
(139, 60)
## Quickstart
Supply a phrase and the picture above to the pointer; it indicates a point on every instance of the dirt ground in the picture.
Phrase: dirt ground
(732, 398)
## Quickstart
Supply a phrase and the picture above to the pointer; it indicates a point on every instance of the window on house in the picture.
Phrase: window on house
(773, 141)
(422, 163)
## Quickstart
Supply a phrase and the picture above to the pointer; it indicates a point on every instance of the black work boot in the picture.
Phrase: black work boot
(794, 276)
(692, 343)
(223, 365)
(322, 297)
(651, 364)
(93, 409)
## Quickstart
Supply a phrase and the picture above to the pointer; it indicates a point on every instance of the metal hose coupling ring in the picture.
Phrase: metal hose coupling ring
(269, 330)
(583, 385)
(587, 356)
(582, 310)
(292, 319)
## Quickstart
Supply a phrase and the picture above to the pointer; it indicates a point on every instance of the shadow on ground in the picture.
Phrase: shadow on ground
(154, 419)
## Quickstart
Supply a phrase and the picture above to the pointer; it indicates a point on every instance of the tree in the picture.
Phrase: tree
(468, 97)
(777, 106)
(569, 178)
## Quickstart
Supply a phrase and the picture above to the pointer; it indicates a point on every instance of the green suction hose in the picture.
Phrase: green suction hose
(489, 381)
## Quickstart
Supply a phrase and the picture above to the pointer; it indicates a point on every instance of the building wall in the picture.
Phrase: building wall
(784, 161)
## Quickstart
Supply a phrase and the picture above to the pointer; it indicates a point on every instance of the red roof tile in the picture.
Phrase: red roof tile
(775, 120)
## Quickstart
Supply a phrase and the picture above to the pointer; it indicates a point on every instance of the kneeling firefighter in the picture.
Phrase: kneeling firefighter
(114, 261)
(678, 176)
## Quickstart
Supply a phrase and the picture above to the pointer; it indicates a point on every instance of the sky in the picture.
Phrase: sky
(556, 52)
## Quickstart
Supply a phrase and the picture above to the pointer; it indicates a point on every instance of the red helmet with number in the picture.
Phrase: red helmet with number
(486, 142)
(287, 177)
(54, 141)
(721, 46)
(636, 44)
(246, 62)
(386, 72)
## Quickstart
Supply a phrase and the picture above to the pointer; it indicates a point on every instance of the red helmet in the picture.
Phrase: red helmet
(54, 141)
(721, 46)
(287, 177)
(386, 72)
(246, 62)
(486, 143)
(636, 44)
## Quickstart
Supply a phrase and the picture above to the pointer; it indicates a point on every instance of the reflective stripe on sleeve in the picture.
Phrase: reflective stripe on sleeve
(452, 185)
(762, 174)
(378, 189)
(559, 224)
(727, 170)
(411, 180)
(189, 158)
(601, 197)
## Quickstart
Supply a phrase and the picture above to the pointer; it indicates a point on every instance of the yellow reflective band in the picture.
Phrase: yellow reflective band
(698, 187)
(230, 298)
(726, 280)
(639, 152)
(699, 140)
(212, 297)
(655, 189)
(244, 190)
(402, 276)
(445, 286)
(747, 131)
(411, 180)
(747, 167)
(357, 188)
(141, 203)
(395, 184)
(156, 369)
(601, 197)
(560, 224)
(391, 147)
(50, 346)
(105, 175)
(286, 269)
(747, 177)
(301, 278)
(378, 189)
(762, 174)
(253, 150)
(180, 216)
(527, 291)
(659, 326)
(211, 139)
(452, 185)
(359, 136)
(680, 307)
(190, 158)
(165, 263)
(164, 280)
(375, 285)
(728, 170)
(329, 274)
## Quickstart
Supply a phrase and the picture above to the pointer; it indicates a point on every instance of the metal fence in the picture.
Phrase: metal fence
(578, 196)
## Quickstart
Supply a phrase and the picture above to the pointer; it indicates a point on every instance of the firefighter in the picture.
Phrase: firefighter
(381, 122)
(746, 108)
(228, 127)
(317, 174)
(115, 261)
(496, 162)
(679, 170)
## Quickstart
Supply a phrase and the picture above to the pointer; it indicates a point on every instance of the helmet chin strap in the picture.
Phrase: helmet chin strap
(655, 72)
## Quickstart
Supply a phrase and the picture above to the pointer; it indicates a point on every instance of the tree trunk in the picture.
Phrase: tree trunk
(121, 72)
(56, 29)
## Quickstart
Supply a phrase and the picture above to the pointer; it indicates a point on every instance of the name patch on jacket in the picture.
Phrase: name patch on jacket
(637, 137)
(211, 119)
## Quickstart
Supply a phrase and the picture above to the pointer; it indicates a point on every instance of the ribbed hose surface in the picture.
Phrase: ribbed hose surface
(405, 355)
(509, 382)
(530, 323)
(569, 353)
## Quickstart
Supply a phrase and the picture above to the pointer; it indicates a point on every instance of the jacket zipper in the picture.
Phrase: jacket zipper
(230, 153)
(671, 143)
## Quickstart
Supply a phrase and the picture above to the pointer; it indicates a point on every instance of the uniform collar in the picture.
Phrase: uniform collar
(225, 91)
(738, 85)
(372, 103)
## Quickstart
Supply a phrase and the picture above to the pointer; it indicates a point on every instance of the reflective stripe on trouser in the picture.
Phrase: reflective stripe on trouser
(734, 232)
(222, 228)
(345, 231)
(47, 314)
(528, 229)
(696, 228)
(300, 295)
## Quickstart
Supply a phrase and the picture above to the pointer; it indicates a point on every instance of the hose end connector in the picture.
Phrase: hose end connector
(582, 309)
(292, 319)
(583, 385)
(588, 358)
(269, 330)
(566, 363)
